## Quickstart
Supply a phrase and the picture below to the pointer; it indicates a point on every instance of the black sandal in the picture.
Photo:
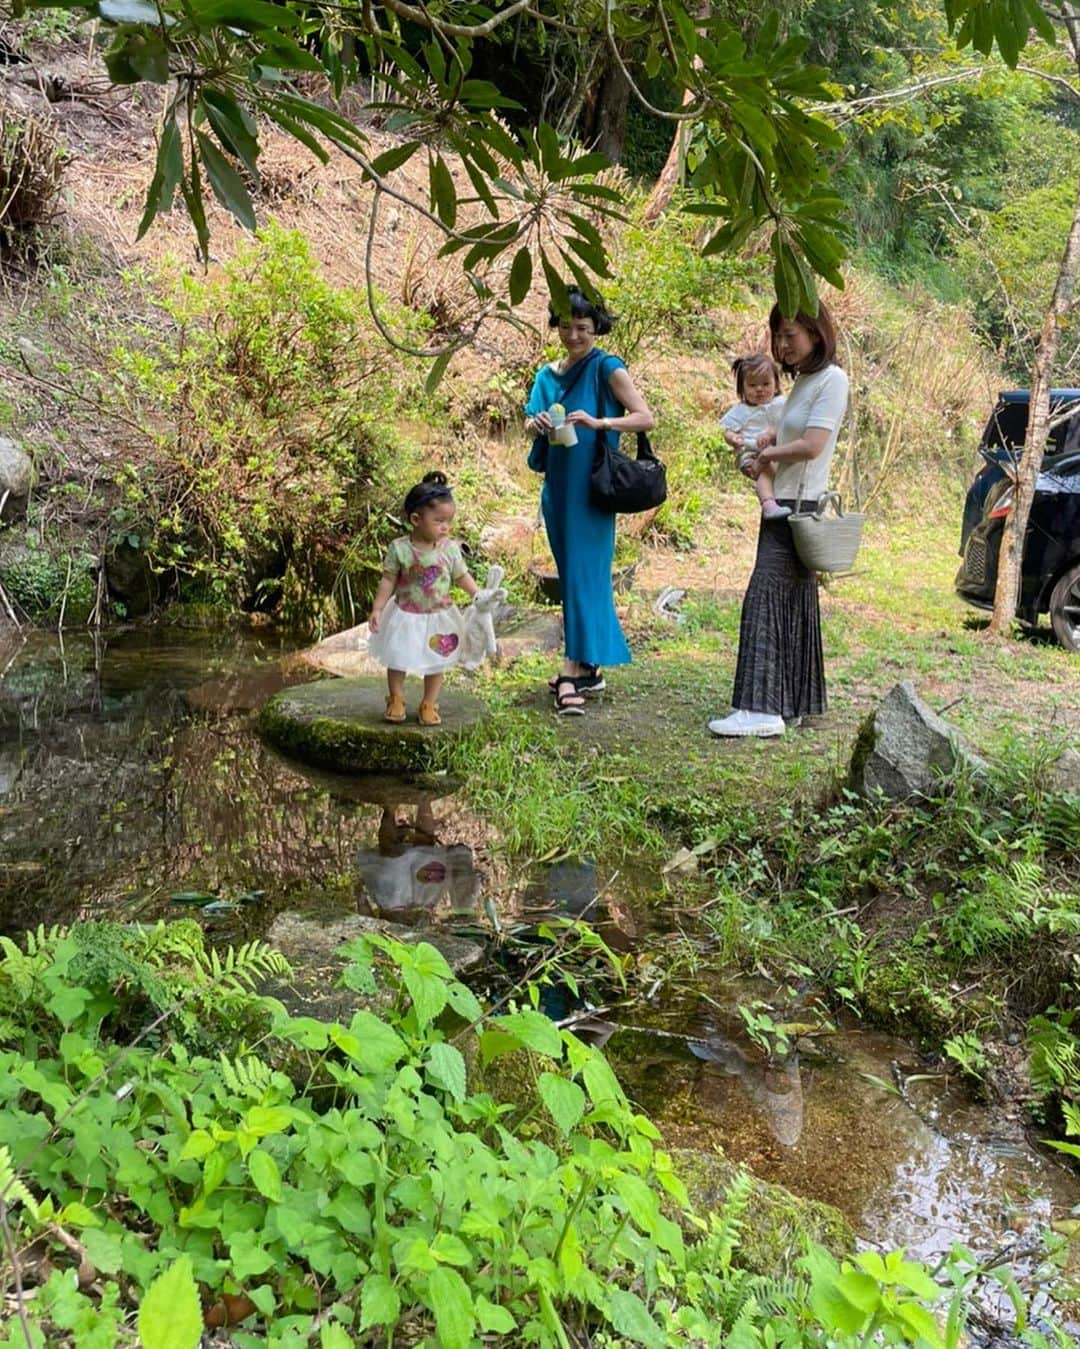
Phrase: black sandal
(590, 682)
(570, 703)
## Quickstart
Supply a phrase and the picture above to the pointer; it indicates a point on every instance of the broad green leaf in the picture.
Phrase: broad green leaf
(394, 158)
(332, 1335)
(564, 1099)
(446, 1067)
(262, 1120)
(463, 1000)
(450, 1300)
(428, 993)
(199, 1143)
(380, 1046)
(251, 15)
(493, 1318)
(494, 1044)
(77, 1214)
(232, 126)
(556, 287)
(450, 1250)
(520, 275)
(436, 373)
(640, 1200)
(443, 192)
(128, 11)
(170, 1315)
(532, 1029)
(630, 1317)
(601, 1083)
(227, 184)
(104, 1250)
(265, 1176)
(191, 187)
(215, 1169)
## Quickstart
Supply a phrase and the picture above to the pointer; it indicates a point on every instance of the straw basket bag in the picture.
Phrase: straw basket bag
(826, 540)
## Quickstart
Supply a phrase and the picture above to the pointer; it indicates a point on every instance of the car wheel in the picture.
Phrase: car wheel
(1065, 609)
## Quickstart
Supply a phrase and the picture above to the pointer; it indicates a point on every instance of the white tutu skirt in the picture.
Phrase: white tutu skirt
(419, 643)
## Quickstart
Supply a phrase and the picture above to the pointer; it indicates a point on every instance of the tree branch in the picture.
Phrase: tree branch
(856, 105)
(418, 14)
(693, 115)
(1051, 79)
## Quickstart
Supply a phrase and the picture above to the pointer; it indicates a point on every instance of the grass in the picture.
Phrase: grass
(641, 764)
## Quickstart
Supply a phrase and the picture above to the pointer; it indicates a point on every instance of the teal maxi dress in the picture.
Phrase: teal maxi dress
(582, 538)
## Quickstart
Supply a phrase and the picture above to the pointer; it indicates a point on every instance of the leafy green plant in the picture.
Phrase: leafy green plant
(273, 398)
(334, 1181)
(967, 1051)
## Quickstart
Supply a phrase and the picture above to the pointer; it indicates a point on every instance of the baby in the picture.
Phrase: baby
(757, 382)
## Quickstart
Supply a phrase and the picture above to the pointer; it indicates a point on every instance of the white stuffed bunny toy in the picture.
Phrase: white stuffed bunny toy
(478, 634)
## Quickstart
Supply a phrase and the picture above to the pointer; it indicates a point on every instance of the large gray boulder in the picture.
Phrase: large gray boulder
(905, 748)
(16, 479)
(1065, 772)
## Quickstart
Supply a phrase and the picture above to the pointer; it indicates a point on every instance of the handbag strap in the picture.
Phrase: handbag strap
(579, 371)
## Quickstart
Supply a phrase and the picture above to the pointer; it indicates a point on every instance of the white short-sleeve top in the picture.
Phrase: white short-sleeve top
(818, 400)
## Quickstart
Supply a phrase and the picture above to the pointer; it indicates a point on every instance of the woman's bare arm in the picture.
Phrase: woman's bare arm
(637, 415)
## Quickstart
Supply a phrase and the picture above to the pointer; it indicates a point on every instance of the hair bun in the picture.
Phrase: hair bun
(436, 477)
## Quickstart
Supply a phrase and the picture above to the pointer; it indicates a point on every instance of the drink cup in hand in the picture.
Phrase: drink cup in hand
(562, 433)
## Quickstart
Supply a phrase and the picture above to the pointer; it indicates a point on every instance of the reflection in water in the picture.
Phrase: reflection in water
(921, 1171)
(775, 1088)
(410, 872)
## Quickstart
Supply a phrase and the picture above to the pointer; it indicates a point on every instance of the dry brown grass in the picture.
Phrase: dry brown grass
(31, 172)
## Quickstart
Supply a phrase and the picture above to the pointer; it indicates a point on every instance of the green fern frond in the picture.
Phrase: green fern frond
(727, 1223)
(12, 1190)
(248, 1077)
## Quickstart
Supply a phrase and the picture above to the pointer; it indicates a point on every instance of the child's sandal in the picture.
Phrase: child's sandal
(395, 707)
(428, 715)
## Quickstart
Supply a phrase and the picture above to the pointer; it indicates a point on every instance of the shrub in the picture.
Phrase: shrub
(367, 1191)
(272, 394)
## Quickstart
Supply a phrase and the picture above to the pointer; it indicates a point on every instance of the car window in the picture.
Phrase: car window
(1067, 436)
(1061, 479)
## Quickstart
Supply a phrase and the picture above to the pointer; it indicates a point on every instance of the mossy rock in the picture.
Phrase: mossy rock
(777, 1224)
(338, 724)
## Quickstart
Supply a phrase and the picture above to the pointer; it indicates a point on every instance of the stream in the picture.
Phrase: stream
(132, 786)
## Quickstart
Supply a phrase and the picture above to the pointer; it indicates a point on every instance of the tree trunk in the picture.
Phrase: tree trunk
(670, 174)
(609, 119)
(1007, 592)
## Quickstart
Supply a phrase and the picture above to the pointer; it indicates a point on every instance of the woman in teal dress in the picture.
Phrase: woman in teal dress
(598, 395)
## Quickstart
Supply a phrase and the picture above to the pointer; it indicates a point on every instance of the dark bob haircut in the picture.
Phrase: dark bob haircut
(751, 365)
(820, 328)
(581, 307)
(431, 489)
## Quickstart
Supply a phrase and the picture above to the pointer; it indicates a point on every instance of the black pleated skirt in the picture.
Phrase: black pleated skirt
(780, 669)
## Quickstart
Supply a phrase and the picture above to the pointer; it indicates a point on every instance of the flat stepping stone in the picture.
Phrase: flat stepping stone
(309, 941)
(338, 724)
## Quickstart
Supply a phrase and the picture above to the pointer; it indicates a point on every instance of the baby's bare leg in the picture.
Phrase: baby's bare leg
(765, 485)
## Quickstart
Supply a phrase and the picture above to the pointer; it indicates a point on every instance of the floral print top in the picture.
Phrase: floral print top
(423, 575)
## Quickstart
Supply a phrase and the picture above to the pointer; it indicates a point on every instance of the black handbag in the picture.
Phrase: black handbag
(624, 486)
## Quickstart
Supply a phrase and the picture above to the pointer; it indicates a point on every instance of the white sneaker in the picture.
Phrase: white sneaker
(748, 723)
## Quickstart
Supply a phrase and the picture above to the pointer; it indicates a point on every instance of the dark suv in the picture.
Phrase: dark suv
(1050, 574)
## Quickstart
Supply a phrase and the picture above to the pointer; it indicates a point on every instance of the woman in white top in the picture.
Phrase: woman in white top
(780, 672)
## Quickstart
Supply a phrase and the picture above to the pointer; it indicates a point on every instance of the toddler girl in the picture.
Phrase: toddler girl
(414, 624)
(757, 382)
